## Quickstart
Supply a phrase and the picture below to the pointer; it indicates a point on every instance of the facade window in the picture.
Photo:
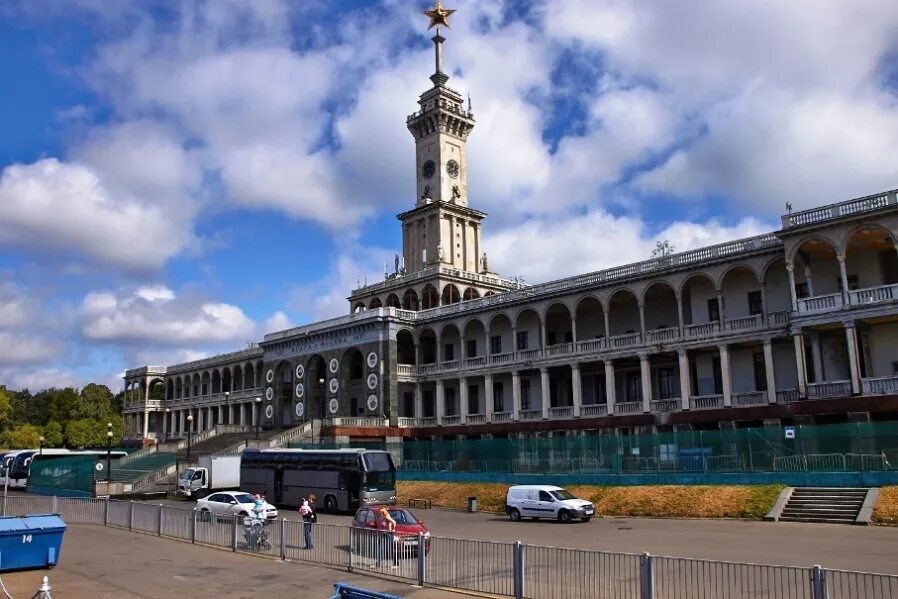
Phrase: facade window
(713, 310)
(667, 383)
(852, 283)
(498, 397)
(525, 392)
(634, 387)
(522, 340)
(801, 290)
(449, 352)
(755, 305)
(760, 373)
(496, 344)
(472, 348)
(449, 397)
(473, 399)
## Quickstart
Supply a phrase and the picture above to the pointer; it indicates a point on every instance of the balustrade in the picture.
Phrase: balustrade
(530, 415)
(427, 421)
(629, 407)
(591, 345)
(829, 389)
(659, 335)
(820, 303)
(594, 410)
(706, 402)
(502, 358)
(476, 418)
(475, 362)
(750, 398)
(405, 368)
(450, 365)
(834, 211)
(356, 422)
(873, 295)
(666, 405)
(406, 422)
(779, 318)
(451, 420)
(625, 340)
(707, 329)
(784, 396)
(560, 349)
(561, 412)
(530, 354)
(502, 416)
(880, 385)
(744, 323)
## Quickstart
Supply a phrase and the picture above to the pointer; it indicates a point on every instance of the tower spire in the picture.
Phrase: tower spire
(438, 16)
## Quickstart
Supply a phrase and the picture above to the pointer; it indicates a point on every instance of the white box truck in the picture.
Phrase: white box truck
(214, 473)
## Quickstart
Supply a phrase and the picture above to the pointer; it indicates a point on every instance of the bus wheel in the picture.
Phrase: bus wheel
(330, 504)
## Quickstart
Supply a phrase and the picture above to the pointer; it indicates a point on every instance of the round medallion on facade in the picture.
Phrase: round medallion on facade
(300, 371)
(333, 405)
(428, 169)
(372, 381)
(300, 389)
(300, 409)
(372, 403)
(269, 411)
(269, 376)
(334, 385)
(269, 393)
(452, 168)
(334, 365)
(372, 360)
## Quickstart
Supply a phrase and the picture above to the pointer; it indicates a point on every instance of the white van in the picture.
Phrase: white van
(546, 501)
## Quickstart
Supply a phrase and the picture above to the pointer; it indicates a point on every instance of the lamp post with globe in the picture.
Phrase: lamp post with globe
(189, 434)
(258, 402)
(108, 451)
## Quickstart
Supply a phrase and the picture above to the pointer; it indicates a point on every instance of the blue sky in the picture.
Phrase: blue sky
(177, 179)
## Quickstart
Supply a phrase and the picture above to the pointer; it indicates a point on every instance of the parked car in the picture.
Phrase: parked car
(546, 501)
(232, 503)
(369, 529)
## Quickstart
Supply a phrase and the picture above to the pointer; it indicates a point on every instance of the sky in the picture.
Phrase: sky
(179, 178)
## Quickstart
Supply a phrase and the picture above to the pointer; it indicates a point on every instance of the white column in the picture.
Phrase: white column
(765, 314)
(182, 428)
(680, 313)
(609, 386)
(419, 401)
(255, 410)
(577, 389)
(685, 379)
(725, 376)
(544, 391)
(574, 332)
(769, 371)
(607, 326)
(790, 268)
(720, 307)
(441, 402)
(489, 400)
(817, 356)
(808, 277)
(646, 371)
(146, 412)
(164, 425)
(642, 320)
(800, 365)
(220, 414)
(516, 394)
(854, 363)
(231, 414)
(463, 399)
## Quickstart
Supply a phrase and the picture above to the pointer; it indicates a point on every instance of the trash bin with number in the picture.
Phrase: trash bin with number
(30, 542)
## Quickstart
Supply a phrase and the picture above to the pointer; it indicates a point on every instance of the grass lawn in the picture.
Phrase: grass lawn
(680, 501)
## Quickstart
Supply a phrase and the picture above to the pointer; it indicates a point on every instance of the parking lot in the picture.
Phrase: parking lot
(106, 563)
(862, 548)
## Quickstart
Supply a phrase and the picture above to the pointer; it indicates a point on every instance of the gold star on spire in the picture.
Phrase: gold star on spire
(438, 15)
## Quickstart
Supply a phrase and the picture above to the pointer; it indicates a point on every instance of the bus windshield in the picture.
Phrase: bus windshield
(380, 481)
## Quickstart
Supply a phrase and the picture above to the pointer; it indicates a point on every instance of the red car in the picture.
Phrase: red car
(372, 529)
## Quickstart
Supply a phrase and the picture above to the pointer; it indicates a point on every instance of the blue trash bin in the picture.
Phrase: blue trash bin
(30, 542)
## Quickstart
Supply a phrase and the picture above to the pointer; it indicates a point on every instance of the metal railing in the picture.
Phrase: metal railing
(510, 569)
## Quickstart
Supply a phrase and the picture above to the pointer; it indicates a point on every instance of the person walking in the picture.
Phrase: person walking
(309, 517)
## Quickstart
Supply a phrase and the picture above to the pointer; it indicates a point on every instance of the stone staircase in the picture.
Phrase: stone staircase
(824, 504)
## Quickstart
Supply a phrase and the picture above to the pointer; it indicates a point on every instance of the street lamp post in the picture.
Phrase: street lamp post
(108, 451)
(167, 425)
(41, 440)
(227, 408)
(189, 434)
(258, 402)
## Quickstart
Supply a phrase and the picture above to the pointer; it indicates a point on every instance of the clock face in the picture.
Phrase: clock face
(428, 169)
(452, 168)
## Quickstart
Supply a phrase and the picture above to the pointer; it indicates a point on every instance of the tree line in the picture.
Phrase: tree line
(63, 417)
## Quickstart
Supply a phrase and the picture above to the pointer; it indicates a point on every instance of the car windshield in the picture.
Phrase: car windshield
(402, 516)
(244, 498)
(562, 495)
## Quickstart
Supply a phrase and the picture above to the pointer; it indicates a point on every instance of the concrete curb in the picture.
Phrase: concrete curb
(865, 515)
(779, 505)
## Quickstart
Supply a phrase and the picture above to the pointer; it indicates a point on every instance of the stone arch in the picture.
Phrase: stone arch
(393, 301)
(179, 387)
(170, 389)
(501, 333)
(429, 297)
(427, 345)
(558, 324)
(871, 259)
(623, 312)
(238, 378)
(375, 303)
(316, 387)
(738, 266)
(816, 257)
(353, 365)
(205, 382)
(741, 289)
(284, 394)
(489, 294)
(450, 338)
(410, 300)
(699, 295)
(470, 293)
(659, 300)
(359, 307)
(451, 294)
(817, 239)
(249, 376)
(226, 380)
(528, 326)
(216, 381)
(474, 338)
(590, 314)
(405, 347)
(776, 283)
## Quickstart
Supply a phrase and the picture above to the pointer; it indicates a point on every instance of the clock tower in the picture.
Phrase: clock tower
(441, 229)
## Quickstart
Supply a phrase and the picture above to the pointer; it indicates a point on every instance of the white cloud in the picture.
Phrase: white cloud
(547, 249)
(43, 378)
(14, 305)
(162, 318)
(25, 348)
(51, 205)
(278, 321)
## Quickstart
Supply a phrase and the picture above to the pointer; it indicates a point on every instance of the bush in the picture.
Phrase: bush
(886, 511)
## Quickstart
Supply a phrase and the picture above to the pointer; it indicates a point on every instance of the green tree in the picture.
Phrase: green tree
(25, 436)
(6, 407)
(53, 434)
(95, 402)
(84, 433)
(64, 405)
